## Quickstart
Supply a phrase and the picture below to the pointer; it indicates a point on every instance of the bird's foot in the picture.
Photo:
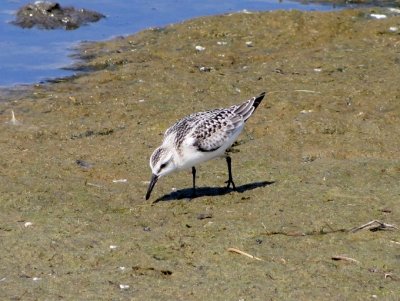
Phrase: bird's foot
(230, 181)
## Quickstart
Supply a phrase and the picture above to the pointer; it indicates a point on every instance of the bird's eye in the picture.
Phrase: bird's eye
(163, 165)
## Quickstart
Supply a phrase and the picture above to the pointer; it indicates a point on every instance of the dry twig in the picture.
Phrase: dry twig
(341, 257)
(234, 250)
(374, 225)
(307, 91)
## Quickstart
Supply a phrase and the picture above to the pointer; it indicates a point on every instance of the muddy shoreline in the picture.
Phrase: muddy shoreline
(319, 157)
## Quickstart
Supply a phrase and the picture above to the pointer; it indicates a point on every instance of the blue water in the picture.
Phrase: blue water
(32, 55)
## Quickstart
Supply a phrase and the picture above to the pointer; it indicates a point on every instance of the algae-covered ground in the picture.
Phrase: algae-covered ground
(319, 157)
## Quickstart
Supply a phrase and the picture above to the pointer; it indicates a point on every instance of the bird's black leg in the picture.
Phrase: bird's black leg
(230, 179)
(194, 180)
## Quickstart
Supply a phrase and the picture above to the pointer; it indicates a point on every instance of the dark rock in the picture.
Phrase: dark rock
(50, 15)
(204, 215)
(84, 164)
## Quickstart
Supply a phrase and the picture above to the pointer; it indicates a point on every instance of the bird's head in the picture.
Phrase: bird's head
(161, 164)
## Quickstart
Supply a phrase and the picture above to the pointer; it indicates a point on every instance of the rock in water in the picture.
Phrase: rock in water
(50, 15)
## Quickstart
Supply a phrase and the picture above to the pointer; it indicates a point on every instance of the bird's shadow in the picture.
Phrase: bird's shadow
(187, 193)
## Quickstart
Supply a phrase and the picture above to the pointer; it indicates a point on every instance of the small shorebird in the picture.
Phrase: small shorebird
(200, 137)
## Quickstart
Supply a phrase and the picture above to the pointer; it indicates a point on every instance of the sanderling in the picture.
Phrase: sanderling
(200, 137)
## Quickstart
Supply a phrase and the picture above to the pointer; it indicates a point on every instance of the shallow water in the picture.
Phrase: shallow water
(32, 55)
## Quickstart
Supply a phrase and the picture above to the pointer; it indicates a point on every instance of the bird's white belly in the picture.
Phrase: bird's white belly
(191, 156)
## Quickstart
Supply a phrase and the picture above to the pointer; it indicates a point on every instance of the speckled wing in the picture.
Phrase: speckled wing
(212, 129)
(215, 129)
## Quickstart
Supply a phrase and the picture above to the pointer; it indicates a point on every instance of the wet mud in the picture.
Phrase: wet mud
(319, 158)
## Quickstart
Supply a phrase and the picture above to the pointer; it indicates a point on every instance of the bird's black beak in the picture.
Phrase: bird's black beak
(153, 182)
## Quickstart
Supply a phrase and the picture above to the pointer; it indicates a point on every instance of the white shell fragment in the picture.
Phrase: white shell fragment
(394, 10)
(113, 247)
(378, 16)
(13, 120)
(123, 286)
(28, 224)
(200, 48)
(205, 69)
(36, 278)
(120, 181)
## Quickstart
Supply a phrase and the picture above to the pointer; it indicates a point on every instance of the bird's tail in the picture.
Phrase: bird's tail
(247, 108)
